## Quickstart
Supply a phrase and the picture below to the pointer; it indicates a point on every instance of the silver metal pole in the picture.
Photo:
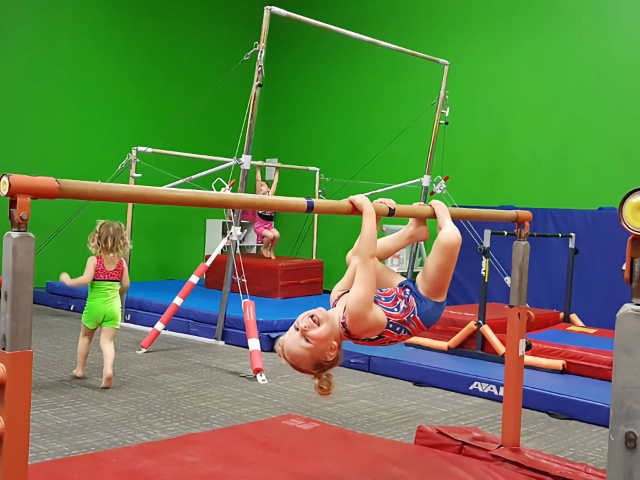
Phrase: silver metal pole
(198, 175)
(393, 187)
(623, 459)
(173, 153)
(314, 251)
(432, 150)
(246, 164)
(16, 310)
(357, 36)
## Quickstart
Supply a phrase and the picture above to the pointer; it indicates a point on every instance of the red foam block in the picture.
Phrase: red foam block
(284, 447)
(485, 448)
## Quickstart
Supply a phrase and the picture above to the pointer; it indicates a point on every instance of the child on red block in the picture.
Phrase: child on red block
(372, 304)
(266, 233)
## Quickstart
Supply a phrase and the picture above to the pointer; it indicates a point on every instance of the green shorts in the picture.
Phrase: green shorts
(103, 307)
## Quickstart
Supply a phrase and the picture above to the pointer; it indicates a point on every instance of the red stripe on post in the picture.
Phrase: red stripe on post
(201, 270)
(251, 327)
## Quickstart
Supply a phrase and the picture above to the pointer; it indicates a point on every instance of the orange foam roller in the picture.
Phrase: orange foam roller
(462, 335)
(573, 318)
(429, 343)
(492, 339)
(546, 363)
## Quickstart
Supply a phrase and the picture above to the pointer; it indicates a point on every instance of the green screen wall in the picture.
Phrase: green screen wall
(542, 95)
(83, 82)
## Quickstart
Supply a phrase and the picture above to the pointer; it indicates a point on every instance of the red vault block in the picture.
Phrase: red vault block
(284, 277)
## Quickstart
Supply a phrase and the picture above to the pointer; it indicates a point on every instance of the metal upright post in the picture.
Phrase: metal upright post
(426, 182)
(16, 357)
(485, 251)
(246, 165)
(623, 461)
(569, 281)
(516, 342)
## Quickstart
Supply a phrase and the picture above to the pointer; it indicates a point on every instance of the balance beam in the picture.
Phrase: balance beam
(49, 188)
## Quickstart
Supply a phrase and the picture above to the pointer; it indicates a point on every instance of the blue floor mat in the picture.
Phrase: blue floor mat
(146, 319)
(580, 398)
(573, 339)
(273, 315)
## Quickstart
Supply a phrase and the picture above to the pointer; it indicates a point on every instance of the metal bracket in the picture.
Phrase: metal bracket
(19, 213)
(261, 377)
(236, 233)
(522, 230)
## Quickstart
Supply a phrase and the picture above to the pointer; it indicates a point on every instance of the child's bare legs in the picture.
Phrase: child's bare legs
(267, 240)
(435, 277)
(84, 345)
(108, 354)
(414, 232)
(274, 242)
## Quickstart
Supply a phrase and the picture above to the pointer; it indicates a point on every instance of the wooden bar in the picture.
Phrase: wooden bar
(12, 185)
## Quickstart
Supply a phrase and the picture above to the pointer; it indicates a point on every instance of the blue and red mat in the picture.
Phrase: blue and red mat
(295, 447)
(572, 396)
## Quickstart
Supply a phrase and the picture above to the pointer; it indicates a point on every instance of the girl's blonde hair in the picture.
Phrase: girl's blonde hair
(323, 380)
(109, 238)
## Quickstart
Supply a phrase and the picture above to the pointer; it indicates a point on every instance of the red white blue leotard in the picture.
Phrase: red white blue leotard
(409, 313)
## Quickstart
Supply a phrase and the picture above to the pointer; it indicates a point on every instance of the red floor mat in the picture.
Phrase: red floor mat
(474, 443)
(457, 317)
(285, 447)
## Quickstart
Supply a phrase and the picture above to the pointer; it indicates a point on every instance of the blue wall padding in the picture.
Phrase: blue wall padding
(599, 289)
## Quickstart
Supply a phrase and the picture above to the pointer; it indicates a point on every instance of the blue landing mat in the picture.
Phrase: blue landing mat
(273, 315)
(573, 339)
(579, 398)
(179, 325)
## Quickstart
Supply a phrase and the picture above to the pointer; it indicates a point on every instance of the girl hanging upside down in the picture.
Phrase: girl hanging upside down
(266, 233)
(372, 304)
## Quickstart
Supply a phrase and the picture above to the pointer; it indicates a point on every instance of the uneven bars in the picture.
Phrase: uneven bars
(49, 188)
(198, 175)
(220, 159)
(358, 36)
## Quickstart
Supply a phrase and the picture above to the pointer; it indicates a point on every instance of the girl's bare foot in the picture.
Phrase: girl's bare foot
(273, 255)
(265, 251)
(418, 229)
(78, 373)
(107, 380)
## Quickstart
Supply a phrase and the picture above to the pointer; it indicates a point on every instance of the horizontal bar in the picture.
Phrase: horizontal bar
(349, 33)
(173, 153)
(198, 175)
(183, 154)
(393, 187)
(533, 234)
(284, 165)
(12, 185)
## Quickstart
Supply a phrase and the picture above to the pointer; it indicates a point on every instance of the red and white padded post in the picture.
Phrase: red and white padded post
(181, 297)
(251, 327)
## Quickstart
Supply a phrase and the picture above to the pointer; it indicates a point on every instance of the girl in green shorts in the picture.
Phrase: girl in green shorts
(107, 275)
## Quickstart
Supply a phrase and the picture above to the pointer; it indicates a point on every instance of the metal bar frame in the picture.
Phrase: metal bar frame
(252, 119)
(228, 162)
